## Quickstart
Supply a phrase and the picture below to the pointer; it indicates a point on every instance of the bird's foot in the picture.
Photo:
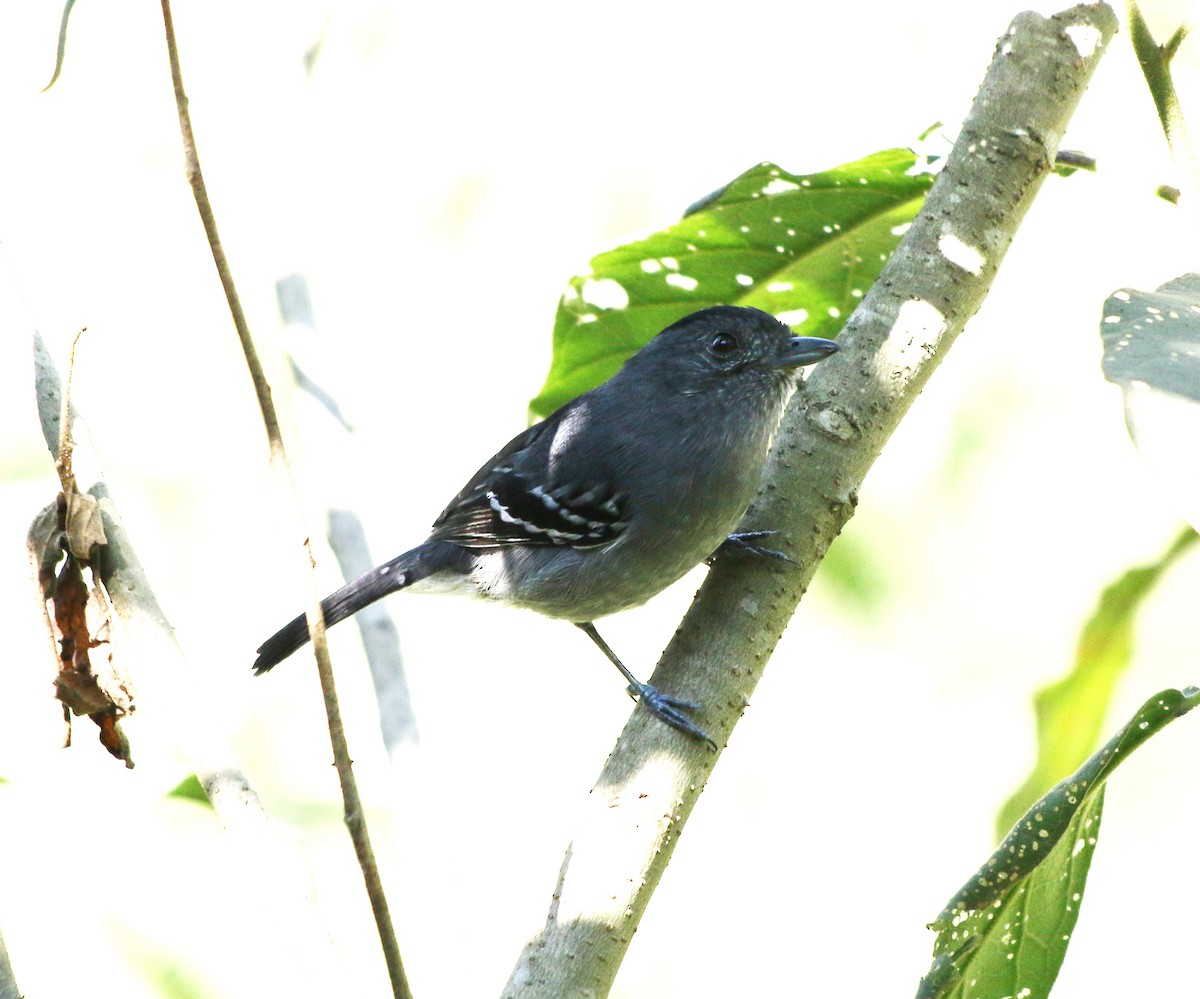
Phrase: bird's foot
(671, 710)
(744, 541)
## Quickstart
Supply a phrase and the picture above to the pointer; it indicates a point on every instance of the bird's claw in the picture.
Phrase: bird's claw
(744, 541)
(672, 710)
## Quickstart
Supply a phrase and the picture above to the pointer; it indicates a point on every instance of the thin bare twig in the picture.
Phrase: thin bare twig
(355, 817)
(65, 469)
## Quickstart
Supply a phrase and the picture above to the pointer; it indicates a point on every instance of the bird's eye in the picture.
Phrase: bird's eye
(723, 344)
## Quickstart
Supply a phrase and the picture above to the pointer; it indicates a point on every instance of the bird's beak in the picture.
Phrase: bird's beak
(806, 350)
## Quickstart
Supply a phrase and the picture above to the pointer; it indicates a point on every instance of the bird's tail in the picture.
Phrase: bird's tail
(402, 571)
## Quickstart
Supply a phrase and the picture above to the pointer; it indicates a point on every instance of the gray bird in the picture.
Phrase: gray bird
(615, 495)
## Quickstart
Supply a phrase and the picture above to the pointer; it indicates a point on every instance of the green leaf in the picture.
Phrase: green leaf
(190, 789)
(1006, 932)
(166, 971)
(62, 44)
(1070, 711)
(805, 248)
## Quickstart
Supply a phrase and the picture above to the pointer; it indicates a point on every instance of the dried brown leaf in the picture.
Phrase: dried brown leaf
(84, 686)
(85, 525)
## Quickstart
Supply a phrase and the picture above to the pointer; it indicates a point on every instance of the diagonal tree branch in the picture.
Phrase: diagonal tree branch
(832, 434)
(8, 981)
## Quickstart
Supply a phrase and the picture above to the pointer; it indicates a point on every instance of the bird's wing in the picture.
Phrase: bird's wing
(512, 500)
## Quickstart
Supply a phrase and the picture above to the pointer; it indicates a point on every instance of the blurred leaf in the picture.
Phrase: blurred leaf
(1071, 711)
(805, 248)
(860, 573)
(62, 44)
(190, 789)
(1152, 350)
(166, 972)
(1006, 932)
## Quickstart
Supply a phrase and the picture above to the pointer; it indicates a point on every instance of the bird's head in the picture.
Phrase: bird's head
(728, 351)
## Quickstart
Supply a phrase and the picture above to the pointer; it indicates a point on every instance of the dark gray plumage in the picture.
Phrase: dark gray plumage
(615, 495)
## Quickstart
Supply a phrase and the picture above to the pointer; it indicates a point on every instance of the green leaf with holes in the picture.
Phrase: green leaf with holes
(1006, 931)
(803, 247)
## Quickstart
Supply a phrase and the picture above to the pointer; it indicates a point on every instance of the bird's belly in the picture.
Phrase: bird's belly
(592, 583)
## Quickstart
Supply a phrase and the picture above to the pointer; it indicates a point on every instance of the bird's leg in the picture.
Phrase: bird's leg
(666, 708)
(744, 541)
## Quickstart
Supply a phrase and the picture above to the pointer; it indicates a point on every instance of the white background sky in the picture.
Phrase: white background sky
(438, 179)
